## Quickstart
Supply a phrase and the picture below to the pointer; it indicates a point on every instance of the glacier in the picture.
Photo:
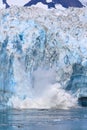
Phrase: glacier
(43, 57)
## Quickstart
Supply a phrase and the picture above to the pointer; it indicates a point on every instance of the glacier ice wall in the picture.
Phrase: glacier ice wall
(43, 57)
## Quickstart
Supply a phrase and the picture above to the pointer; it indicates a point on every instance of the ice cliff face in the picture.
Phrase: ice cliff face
(43, 57)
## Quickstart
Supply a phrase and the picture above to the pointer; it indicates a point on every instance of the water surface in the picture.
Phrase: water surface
(73, 119)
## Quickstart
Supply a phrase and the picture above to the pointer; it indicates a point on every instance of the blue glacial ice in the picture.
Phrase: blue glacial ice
(43, 57)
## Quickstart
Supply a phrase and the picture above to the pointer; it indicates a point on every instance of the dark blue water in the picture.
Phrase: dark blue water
(73, 119)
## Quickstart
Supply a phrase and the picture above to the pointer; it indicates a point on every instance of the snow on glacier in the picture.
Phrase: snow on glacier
(17, 2)
(43, 57)
(84, 2)
(2, 5)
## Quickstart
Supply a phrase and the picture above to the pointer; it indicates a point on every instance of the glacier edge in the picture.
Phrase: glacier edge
(43, 56)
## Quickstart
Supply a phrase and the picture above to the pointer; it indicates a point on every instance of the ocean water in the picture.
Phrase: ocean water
(44, 119)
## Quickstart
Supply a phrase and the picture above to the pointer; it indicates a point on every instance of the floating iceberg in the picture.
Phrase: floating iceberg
(43, 57)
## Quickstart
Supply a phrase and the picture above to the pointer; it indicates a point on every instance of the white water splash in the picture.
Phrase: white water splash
(53, 97)
(44, 94)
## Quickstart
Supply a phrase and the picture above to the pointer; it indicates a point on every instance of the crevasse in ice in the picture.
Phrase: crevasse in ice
(43, 57)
